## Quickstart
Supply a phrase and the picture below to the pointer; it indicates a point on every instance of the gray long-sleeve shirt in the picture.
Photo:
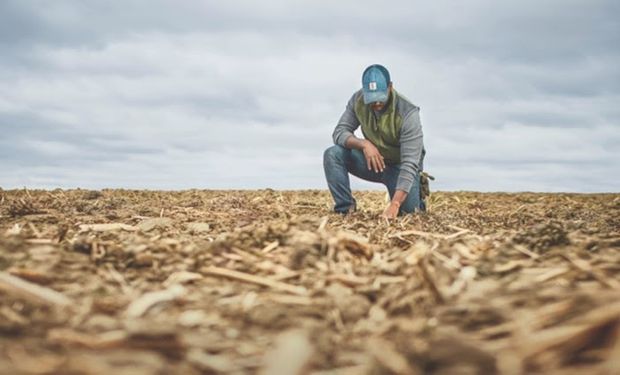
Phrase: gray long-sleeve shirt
(411, 142)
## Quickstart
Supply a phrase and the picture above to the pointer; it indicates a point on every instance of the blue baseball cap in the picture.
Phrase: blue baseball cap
(375, 81)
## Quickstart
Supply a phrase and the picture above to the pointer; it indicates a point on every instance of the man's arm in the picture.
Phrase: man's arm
(347, 124)
(343, 135)
(411, 146)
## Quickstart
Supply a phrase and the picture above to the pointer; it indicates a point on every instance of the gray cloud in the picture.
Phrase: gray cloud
(30, 141)
(162, 94)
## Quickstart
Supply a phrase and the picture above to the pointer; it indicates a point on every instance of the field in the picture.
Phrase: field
(272, 282)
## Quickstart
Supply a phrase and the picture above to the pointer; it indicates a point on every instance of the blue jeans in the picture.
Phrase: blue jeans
(339, 161)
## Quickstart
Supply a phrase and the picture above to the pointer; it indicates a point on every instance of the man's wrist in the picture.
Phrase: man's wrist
(396, 203)
(356, 143)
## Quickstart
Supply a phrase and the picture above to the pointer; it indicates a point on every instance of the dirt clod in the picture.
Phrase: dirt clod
(541, 237)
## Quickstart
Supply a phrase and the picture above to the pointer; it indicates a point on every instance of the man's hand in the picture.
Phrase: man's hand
(391, 211)
(374, 160)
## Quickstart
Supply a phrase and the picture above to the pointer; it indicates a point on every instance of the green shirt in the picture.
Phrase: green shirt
(382, 128)
(396, 132)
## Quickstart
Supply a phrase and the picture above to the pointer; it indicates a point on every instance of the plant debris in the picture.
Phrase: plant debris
(269, 282)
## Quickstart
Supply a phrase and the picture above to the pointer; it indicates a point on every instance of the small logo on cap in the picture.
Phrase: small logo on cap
(372, 86)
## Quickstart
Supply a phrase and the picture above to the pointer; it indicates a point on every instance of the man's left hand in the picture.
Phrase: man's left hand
(391, 211)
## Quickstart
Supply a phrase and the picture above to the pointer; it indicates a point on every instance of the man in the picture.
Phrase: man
(391, 152)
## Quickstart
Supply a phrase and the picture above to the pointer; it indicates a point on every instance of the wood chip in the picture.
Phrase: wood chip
(350, 280)
(15, 230)
(389, 358)
(209, 362)
(107, 340)
(236, 275)
(32, 292)
(287, 299)
(524, 250)
(457, 234)
(107, 227)
(383, 280)
(290, 355)
(198, 227)
(586, 267)
(551, 274)
(270, 247)
(417, 233)
(351, 242)
(585, 331)
(512, 265)
(41, 241)
(140, 306)
(430, 282)
(465, 277)
(35, 276)
(153, 223)
(182, 277)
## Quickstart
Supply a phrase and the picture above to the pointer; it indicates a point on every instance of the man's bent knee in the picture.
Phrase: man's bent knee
(333, 154)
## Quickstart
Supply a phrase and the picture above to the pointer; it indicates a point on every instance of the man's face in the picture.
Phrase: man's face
(378, 106)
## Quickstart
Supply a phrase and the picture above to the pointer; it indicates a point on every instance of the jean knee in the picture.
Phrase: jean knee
(334, 154)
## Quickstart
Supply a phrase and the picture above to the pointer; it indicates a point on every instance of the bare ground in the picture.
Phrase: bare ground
(270, 282)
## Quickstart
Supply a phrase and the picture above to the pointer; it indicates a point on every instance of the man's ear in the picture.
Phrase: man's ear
(390, 86)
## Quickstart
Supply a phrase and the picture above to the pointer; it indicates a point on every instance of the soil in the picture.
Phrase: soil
(273, 282)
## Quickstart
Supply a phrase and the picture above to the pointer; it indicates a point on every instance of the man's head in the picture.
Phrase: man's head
(376, 86)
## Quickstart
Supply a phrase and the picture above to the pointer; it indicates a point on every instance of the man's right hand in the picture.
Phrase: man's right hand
(374, 159)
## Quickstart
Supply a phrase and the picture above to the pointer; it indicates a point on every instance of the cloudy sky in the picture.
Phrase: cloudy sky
(514, 96)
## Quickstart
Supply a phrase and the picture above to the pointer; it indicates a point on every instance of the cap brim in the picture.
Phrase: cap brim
(375, 96)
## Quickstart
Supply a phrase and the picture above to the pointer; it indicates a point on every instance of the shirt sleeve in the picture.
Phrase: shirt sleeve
(347, 124)
(411, 149)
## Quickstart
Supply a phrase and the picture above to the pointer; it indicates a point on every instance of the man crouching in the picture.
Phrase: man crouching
(391, 152)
